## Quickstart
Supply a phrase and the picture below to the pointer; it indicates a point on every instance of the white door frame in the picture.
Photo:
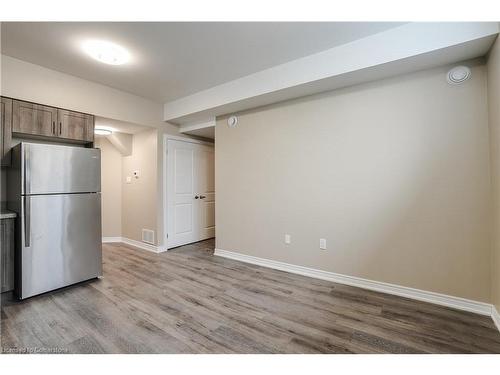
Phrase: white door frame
(166, 138)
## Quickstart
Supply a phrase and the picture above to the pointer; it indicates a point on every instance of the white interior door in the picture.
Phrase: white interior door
(205, 182)
(190, 193)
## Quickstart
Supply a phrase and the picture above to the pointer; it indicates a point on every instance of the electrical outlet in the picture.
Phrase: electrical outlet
(288, 239)
(322, 243)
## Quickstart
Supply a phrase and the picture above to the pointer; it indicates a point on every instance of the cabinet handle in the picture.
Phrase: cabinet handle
(53, 127)
(60, 128)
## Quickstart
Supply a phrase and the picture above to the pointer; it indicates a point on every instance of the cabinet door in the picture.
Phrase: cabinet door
(75, 125)
(5, 130)
(30, 118)
(6, 255)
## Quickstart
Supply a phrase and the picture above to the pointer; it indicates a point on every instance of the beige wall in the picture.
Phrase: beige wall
(127, 208)
(494, 119)
(111, 188)
(139, 198)
(394, 174)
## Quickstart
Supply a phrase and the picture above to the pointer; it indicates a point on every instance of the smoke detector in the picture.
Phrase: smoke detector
(232, 121)
(458, 74)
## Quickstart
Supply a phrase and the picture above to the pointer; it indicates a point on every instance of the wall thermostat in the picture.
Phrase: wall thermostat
(232, 121)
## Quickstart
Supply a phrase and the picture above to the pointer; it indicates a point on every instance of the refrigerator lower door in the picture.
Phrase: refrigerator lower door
(61, 241)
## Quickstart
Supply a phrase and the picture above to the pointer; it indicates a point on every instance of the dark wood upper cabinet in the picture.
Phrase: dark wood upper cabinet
(5, 130)
(31, 120)
(75, 125)
(35, 119)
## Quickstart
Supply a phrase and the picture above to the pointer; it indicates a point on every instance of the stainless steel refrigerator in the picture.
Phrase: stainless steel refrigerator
(55, 191)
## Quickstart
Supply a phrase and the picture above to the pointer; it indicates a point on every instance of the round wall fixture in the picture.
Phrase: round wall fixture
(232, 121)
(458, 75)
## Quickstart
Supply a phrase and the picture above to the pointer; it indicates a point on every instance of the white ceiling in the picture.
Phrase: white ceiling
(172, 60)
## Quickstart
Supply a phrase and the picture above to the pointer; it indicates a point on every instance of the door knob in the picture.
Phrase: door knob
(202, 197)
(196, 197)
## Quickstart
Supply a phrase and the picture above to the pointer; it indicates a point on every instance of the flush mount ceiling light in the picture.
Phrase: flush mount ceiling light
(458, 75)
(106, 52)
(100, 130)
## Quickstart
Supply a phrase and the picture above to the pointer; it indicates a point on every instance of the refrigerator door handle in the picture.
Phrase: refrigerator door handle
(27, 182)
(27, 221)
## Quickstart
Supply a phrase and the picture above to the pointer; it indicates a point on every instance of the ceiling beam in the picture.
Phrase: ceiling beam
(188, 127)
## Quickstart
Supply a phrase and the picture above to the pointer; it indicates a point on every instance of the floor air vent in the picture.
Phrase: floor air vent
(148, 236)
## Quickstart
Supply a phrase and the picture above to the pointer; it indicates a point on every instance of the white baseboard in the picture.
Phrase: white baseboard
(420, 295)
(161, 249)
(134, 243)
(495, 316)
(111, 239)
(140, 245)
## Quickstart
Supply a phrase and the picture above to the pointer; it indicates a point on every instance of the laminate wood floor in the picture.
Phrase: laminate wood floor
(189, 301)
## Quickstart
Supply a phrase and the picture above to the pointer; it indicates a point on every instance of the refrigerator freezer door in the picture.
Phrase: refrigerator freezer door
(61, 241)
(54, 169)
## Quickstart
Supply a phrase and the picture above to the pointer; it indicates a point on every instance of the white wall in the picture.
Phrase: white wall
(494, 120)
(394, 174)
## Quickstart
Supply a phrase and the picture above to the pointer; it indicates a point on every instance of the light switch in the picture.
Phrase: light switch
(128, 179)
(288, 239)
(322, 243)
(136, 174)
